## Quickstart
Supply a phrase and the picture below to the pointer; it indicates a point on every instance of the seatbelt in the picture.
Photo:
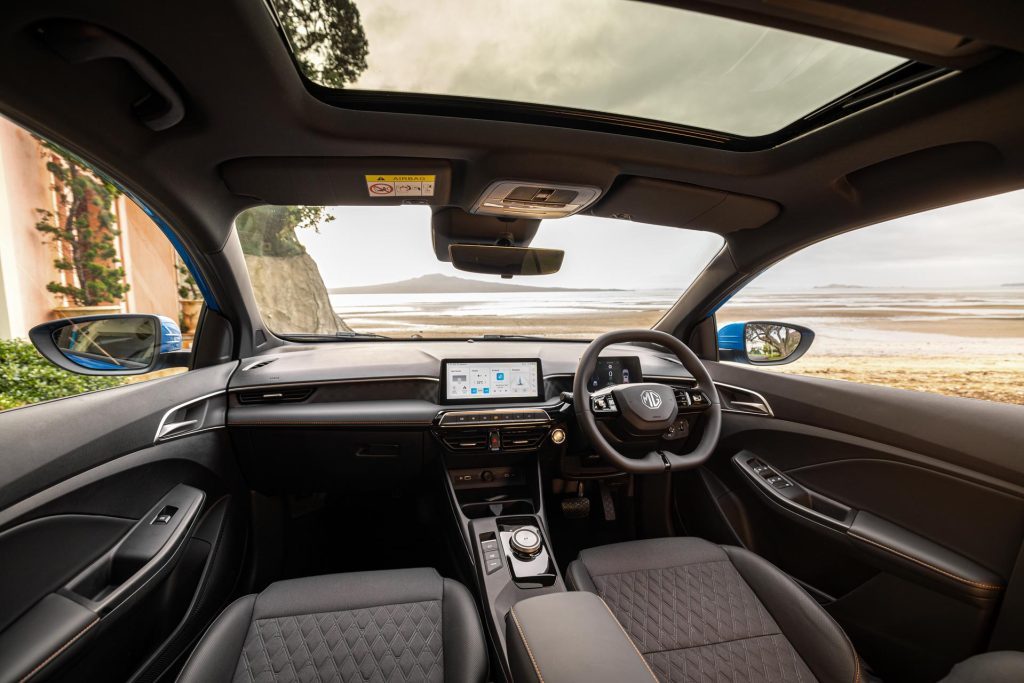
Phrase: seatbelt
(1008, 633)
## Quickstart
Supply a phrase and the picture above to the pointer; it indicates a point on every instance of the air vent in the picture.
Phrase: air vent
(274, 396)
(522, 438)
(466, 440)
(259, 364)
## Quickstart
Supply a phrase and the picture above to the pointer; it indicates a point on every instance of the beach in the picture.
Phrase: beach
(968, 344)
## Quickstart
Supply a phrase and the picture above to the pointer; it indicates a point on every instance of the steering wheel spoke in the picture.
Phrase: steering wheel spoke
(603, 404)
(692, 401)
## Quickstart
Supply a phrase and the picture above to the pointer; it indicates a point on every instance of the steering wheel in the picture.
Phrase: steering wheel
(646, 411)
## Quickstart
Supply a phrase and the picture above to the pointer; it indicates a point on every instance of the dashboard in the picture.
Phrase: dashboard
(409, 383)
(362, 414)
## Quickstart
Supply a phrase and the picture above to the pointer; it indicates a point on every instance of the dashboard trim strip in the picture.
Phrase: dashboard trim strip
(326, 382)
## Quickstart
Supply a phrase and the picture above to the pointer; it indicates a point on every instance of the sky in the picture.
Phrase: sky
(618, 56)
(978, 244)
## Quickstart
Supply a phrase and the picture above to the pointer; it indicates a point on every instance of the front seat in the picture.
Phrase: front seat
(402, 625)
(698, 611)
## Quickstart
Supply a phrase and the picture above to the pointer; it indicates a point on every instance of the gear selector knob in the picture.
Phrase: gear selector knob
(525, 541)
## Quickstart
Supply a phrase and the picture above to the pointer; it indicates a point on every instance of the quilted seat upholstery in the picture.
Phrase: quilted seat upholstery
(701, 612)
(405, 626)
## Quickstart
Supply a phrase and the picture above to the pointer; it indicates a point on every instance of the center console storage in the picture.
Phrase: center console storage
(570, 638)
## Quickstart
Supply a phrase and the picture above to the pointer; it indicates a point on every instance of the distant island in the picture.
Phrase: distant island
(1014, 284)
(447, 284)
(837, 286)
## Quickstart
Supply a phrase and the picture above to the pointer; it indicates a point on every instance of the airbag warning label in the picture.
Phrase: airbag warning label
(400, 185)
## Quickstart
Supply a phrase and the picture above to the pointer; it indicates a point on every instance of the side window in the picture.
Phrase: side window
(929, 302)
(71, 245)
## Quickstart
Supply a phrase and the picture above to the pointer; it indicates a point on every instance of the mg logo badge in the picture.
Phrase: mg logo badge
(651, 399)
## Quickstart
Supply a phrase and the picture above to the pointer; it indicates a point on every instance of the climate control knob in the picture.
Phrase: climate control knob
(525, 541)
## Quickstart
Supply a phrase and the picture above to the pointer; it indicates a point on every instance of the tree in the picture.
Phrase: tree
(84, 229)
(187, 287)
(771, 341)
(327, 38)
(270, 230)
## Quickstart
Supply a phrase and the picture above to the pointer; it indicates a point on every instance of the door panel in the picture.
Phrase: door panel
(916, 508)
(118, 548)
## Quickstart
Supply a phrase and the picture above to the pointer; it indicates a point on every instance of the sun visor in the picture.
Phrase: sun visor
(662, 202)
(340, 181)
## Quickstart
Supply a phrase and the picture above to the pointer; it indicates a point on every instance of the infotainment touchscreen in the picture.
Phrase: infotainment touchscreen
(511, 381)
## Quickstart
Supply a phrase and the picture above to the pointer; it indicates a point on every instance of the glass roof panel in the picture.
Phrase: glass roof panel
(622, 57)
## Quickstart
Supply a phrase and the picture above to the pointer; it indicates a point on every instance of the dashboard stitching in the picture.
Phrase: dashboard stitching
(329, 422)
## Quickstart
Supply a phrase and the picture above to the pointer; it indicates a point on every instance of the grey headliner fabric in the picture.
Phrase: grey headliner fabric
(691, 609)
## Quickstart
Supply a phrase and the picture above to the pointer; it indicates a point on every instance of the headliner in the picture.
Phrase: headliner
(954, 139)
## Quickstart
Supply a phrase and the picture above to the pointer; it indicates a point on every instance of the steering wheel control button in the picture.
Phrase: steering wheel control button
(525, 541)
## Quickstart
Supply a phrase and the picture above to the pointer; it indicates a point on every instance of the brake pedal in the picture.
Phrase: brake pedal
(576, 507)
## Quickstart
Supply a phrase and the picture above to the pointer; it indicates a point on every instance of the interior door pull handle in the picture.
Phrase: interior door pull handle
(172, 427)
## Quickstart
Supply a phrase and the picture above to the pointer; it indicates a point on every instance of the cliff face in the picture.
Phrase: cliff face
(291, 295)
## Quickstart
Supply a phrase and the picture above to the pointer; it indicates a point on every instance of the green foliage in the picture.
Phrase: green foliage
(187, 287)
(327, 38)
(84, 228)
(26, 377)
(270, 230)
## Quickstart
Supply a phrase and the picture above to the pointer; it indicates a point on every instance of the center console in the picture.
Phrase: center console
(496, 426)
(492, 432)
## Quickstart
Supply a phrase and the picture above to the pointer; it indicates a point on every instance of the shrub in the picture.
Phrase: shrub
(26, 377)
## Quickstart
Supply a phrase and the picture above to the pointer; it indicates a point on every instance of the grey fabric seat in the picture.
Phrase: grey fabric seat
(701, 612)
(395, 626)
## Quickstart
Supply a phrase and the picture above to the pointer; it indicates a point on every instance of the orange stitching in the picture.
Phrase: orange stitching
(528, 650)
(327, 422)
(976, 584)
(66, 645)
(635, 648)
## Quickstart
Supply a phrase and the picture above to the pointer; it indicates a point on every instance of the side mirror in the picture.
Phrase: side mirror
(763, 342)
(111, 344)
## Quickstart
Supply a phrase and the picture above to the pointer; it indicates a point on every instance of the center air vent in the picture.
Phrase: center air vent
(274, 396)
(534, 200)
(514, 439)
(466, 440)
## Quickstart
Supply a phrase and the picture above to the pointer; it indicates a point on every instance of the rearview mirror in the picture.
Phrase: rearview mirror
(111, 344)
(505, 261)
(763, 342)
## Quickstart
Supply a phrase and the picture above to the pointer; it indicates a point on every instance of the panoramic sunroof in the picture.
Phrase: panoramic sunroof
(620, 57)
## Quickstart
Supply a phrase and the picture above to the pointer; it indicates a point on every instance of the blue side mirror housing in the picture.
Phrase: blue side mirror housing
(111, 345)
(170, 335)
(763, 342)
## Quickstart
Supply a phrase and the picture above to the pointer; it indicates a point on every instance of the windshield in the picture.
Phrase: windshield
(635, 59)
(350, 270)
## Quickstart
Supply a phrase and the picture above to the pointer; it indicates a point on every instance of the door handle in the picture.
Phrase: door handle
(170, 427)
(147, 552)
(793, 498)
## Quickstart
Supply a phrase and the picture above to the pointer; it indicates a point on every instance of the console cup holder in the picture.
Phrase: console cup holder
(498, 508)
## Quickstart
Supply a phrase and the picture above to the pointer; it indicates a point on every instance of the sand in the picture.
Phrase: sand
(988, 362)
